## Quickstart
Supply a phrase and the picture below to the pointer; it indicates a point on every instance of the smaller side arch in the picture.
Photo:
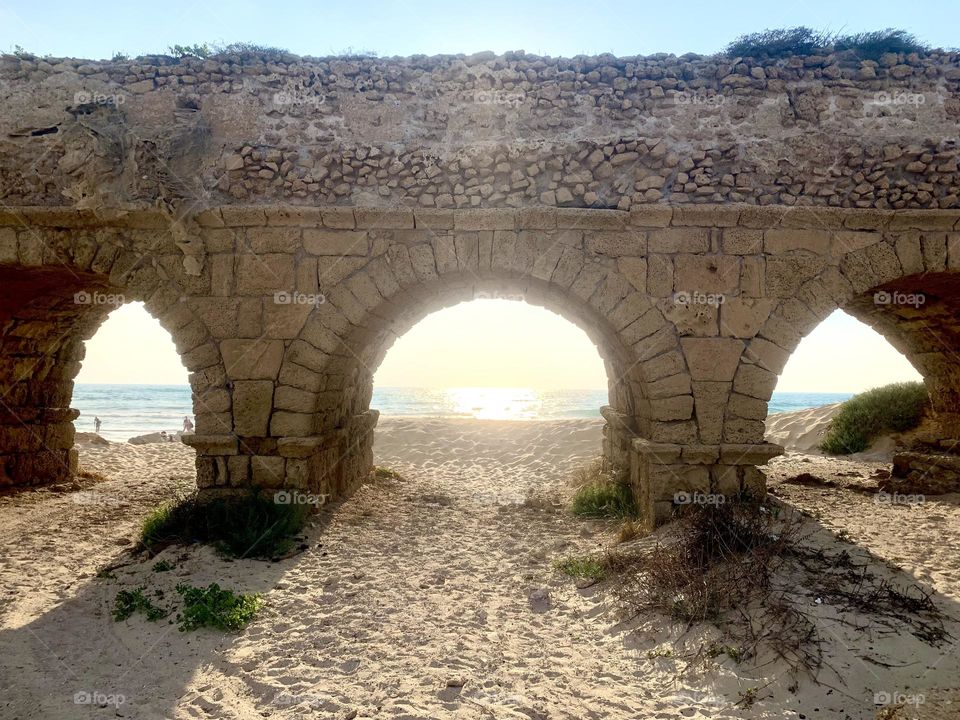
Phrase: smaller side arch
(57, 286)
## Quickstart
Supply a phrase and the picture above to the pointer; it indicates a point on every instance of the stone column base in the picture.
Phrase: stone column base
(665, 476)
(36, 446)
(324, 467)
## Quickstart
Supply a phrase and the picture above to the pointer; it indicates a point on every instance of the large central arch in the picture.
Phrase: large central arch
(326, 379)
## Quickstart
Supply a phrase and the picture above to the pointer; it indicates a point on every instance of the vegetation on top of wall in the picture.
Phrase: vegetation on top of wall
(207, 50)
(786, 42)
(252, 526)
(892, 408)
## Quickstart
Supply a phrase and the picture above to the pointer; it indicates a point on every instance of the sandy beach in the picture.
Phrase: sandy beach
(434, 596)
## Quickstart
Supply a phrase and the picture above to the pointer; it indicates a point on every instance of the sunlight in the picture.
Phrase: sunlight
(844, 355)
(493, 343)
(132, 347)
(496, 403)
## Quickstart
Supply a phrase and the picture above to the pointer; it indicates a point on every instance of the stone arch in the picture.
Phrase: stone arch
(57, 286)
(878, 284)
(321, 402)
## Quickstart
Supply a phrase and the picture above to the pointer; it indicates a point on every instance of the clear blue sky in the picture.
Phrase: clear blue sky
(560, 27)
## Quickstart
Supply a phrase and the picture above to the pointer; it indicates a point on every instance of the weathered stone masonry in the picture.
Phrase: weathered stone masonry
(286, 249)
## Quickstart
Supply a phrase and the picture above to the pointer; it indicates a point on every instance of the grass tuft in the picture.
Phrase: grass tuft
(162, 566)
(582, 567)
(249, 526)
(603, 494)
(385, 473)
(216, 607)
(891, 408)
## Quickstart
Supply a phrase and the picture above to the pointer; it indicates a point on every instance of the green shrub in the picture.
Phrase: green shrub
(128, 602)
(248, 526)
(785, 42)
(603, 494)
(871, 45)
(199, 51)
(215, 607)
(583, 567)
(891, 408)
(781, 42)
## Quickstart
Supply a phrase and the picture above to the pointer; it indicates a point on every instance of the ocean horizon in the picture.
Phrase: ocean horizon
(128, 410)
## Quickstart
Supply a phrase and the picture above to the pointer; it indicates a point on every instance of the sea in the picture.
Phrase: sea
(130, 410)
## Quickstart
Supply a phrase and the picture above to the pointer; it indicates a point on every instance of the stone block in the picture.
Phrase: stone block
(252, 359)
(679, 240)
(742, 241)
(267, 471)
(743, 317)
(335, 242)
(252, 404)
(712, 358)
(706, 274)
(265, 274)
(783, 240)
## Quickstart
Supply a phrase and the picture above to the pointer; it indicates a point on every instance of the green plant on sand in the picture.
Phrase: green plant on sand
(251, 526)
(891, 408)
(603, 493)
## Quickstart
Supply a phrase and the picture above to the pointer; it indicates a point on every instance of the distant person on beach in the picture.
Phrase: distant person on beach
(163, 436)
(187, 425)
(96, 424)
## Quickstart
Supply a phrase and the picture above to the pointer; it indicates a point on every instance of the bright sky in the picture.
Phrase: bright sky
(405, 27)
(491, 343)
(504, 344)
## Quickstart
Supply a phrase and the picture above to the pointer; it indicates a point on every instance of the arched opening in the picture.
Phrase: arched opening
(132, 380)
(55, 292)
(841, 357)
(46, 314)
(323, 410)
(908, 323)
(500, 361)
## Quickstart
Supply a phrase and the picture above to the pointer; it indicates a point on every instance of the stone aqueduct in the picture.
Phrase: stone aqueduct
(286, 219)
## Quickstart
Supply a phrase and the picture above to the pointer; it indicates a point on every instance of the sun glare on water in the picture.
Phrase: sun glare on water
(495, 403)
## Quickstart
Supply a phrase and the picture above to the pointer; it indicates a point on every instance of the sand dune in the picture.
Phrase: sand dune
(802, 431)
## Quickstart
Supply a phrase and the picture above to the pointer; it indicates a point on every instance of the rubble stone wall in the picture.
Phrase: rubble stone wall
(482, 131)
